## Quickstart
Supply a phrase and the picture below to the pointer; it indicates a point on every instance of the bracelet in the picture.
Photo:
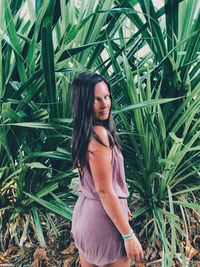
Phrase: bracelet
(126, 237)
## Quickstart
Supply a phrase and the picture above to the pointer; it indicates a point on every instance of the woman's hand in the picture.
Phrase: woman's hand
(133, 249)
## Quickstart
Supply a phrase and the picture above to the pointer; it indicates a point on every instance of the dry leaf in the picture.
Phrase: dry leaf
(35, 263)
(69, 261)
(191, 251)
(39, 255)
(11, 250)
(148, 252)
(197, 257)
(78, 264)
(3, 259)
(158, 243)
(70, 250)
(6, 256)
(28, 245)
(154, 255)
(160, 253)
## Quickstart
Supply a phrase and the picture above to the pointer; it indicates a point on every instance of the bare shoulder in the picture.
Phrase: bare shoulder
(102, 133)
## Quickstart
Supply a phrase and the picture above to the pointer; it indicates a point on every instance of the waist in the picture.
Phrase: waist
(96, 197)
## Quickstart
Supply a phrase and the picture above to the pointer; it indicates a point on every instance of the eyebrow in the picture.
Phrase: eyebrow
(108, 94)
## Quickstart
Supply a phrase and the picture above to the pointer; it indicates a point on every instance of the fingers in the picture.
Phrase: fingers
(134, 249)
(138, 257)
(142, 254)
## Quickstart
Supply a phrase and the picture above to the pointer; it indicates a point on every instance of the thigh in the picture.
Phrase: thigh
(84, 262)
(123, 262)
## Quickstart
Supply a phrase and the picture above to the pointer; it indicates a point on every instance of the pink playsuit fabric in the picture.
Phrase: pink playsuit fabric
(94, 233)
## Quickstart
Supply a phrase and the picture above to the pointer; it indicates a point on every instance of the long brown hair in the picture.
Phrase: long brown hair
(82, 100)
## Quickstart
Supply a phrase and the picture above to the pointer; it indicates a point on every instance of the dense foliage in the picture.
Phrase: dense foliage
(151, 58)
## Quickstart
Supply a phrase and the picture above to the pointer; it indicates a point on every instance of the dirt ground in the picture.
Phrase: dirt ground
(61, 252)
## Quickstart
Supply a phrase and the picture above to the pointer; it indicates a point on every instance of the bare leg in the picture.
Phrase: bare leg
(123, 262)
(84, 262)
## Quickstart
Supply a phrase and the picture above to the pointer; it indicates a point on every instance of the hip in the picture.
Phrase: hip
(86, 207)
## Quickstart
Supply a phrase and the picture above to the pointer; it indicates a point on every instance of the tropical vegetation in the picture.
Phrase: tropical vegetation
(150, 56)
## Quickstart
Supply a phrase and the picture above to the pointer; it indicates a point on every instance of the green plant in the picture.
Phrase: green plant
(161, 141)
(156, 105)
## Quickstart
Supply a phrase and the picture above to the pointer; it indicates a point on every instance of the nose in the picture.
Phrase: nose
(103, 104)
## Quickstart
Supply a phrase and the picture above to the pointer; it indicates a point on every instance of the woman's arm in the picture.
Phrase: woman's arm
(101, 169)
(100, 157)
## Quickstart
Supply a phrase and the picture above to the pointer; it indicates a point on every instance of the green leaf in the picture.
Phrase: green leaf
(38, 228)
(144, 104)
(36, 165)
(66, 213)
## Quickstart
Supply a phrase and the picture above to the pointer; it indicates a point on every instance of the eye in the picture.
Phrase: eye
(107, 96)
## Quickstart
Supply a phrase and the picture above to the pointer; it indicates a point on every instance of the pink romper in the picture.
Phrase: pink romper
(94, 233)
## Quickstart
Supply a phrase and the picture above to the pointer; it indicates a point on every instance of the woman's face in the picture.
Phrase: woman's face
(102, 101)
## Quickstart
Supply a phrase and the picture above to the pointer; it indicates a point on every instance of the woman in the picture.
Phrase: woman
(100, 226)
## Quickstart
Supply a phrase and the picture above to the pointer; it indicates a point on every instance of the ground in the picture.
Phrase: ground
(61, 252)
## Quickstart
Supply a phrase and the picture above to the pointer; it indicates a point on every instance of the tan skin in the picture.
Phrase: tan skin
(101, 168)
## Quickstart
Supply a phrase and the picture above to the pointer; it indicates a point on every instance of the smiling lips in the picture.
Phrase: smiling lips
(103, 112)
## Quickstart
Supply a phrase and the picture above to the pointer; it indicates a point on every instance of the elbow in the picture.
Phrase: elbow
(104, 193)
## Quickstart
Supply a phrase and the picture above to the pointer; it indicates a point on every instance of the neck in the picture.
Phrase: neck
(101, 122)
